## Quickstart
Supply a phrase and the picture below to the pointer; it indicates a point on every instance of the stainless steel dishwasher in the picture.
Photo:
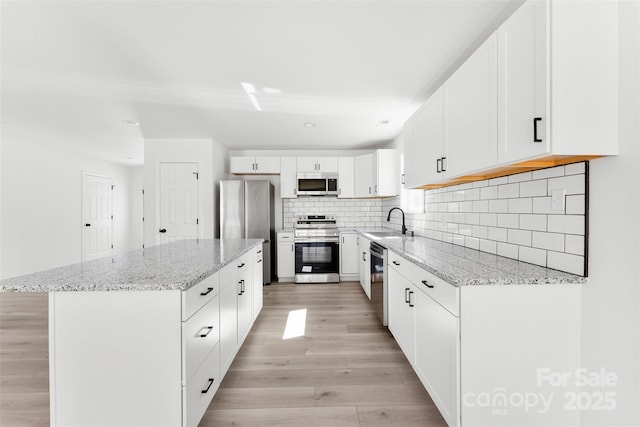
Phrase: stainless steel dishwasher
(379, 280)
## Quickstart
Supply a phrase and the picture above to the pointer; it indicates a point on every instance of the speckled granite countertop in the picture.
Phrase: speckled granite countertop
(462, 266)
(172, 266)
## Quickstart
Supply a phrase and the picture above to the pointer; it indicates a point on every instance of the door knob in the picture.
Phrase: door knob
(87, 225)
(163, 230)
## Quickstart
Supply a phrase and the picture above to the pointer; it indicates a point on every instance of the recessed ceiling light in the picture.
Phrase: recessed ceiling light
(383, 123)
(310, 124)
(131, 122)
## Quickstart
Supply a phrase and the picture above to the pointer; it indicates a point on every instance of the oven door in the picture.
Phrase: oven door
(317, 261)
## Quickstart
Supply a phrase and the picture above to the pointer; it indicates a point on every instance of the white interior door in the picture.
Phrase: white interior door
(178, 202)
(97, 216)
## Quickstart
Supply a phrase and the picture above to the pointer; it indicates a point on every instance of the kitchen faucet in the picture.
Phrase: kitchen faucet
(404, 228)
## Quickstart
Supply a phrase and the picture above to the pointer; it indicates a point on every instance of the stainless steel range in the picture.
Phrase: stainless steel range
(317, 249)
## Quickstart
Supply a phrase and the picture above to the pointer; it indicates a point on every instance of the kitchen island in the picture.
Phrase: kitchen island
(145, 337)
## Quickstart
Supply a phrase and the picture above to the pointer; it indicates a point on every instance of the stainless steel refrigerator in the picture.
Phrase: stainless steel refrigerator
(246, 212)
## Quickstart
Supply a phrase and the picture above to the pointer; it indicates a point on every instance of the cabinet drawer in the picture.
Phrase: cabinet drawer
(400, 264)
(285, 236)
(199, 294)
(200, 334)
(230, 274)
(442, 292)
(198, 392)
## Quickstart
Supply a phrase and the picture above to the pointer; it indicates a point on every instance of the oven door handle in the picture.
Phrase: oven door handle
(317, 240)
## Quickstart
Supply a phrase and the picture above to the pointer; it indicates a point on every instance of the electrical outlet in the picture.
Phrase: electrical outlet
(557, 200)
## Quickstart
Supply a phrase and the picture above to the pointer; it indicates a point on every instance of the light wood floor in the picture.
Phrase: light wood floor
(345, 370)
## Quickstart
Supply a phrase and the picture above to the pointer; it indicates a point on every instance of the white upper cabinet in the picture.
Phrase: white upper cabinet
(318, 164)
(558, 80)
(544, 87)
(364, 175)
(241, 165)
(346, 177)
(386, 173)
(288, 179)
(471, 117)
(427, 156)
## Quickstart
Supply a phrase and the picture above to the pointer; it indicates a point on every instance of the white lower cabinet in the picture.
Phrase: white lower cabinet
(348, 255)
(479, 350)
(364, 267)
(199, 391)
(401, 313)
(257, 295)
(286, 257)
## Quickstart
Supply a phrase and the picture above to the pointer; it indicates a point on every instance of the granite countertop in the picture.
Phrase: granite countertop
(171, 266)
(462, 266)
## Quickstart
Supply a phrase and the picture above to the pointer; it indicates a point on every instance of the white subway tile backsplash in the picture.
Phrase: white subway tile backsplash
(489, 193)
(458, 196)
(550, 241)
(508, 191)
(533, 222)
(472, 242)
(489, 219)
(533, 255)
(488, 246)
(574, 168)
(458, 240)
(574, 244)
(573, 184)
(519, 237)
(533, 188)
(472, 194)
(499, 206)
(566, 262)
(508, 220)
(542, 205)
(568, 224)
(479, 231)
(472, 218)
(479, 184)
(499, 181)
(519, 177)
(480, 206)
(507, 250)
(497, 234)
(522, 205)
(465, 229)
(575, 205)
(548, 173)
(466, 206)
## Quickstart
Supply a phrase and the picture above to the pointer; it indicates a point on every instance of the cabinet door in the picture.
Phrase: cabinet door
(401, 320)
(429, 141)
(346, 178)
(364, 269)
(245, 304)
(522, 84)
(286, 260)
(348, 253)
(386, 173)
(408, 158)
(307, 164)
(288, 180)
(258, 297)
(267, 165)
(327, 164)
(228, 325)
(436, 354)
(471, 112)
(242, 165)
(363, 175)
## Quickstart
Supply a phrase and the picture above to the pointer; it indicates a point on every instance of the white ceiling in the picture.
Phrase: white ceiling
(75, 71)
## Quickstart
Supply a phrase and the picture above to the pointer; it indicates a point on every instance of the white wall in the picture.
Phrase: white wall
(611, 300)
(41, 211)
(211, 159)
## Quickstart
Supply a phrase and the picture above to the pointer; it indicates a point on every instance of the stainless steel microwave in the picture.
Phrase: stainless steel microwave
(316, 184)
